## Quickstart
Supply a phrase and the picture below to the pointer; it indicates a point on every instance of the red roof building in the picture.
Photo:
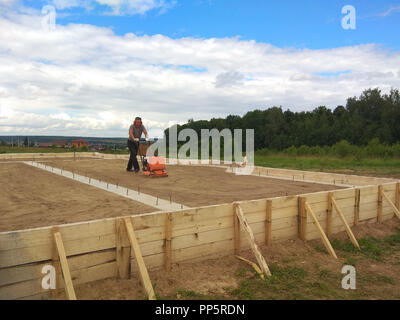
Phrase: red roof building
(59, 143)
(79, 143)
(45, 144)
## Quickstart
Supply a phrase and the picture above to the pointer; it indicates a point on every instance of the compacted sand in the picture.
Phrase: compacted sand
(191, 185)
(31, 197)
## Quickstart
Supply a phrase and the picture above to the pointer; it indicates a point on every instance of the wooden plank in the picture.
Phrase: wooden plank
(380, 196)
(69, 288)
(329, 215)
(396, 211)
(33, 287)
(123, 253)
(347, 227)
(302, 218)
(56, 265)
(268, 223)
(325, 239)
(357, 207)
(254, 265)
(144, 275)
(249, 233)
(236, 232)
(168, 239)
(34, 270)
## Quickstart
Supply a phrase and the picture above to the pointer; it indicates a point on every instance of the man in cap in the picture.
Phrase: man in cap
(135, 132)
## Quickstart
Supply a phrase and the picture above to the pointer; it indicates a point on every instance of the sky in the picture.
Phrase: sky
(88, 67)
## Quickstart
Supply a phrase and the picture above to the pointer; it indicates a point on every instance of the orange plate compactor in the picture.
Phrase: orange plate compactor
(155, 166)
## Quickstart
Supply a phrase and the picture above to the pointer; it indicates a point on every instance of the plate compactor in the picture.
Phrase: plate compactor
(155, 166)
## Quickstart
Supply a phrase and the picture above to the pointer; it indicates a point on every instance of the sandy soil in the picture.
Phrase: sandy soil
(31, 198)
(218, 277)
(191, 185)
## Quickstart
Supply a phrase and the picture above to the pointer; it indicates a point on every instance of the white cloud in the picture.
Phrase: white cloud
(390, 11)
(85, 80)
(117, 7)
(228, 79)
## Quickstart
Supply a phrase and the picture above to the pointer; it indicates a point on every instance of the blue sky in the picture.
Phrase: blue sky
(312, 24)
(106, 61)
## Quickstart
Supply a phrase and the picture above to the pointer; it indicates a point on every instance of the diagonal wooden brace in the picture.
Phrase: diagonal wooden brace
(250, 236)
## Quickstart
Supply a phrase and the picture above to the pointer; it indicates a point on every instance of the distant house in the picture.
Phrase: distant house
(79, 143)
(59, 143)
(45, 144)
(97, 147)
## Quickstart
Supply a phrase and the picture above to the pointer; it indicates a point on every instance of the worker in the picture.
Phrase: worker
(135, 133)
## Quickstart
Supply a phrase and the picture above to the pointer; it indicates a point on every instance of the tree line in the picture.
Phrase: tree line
(369, 119)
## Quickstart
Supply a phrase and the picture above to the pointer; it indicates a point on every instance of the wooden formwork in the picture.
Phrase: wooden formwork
(101, 249)
(172, 237)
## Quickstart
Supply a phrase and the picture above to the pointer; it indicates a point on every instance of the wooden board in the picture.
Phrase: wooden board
(324, 238)
(69, 288)
(122, 253)
(144, 275)
(250, 236)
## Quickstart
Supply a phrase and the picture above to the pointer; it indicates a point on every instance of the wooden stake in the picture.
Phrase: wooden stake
(380, 198)
(56, 264)
(254, 265)
(398, 195)
(357, 207)
(69, 288)
(302, 218)
(168, 237)
(396, 211)
(346, 225)
(325, 239)
(260, 259)
(268, 223)
(123, 254)
(144, 275)
(236, 230)
(329, 215)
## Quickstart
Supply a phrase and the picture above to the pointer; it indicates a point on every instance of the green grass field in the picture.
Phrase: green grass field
(389, 167)
(295, 277)
(368, 166)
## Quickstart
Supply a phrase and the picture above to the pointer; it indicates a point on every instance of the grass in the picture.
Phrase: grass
(5, 149)
(287, 282)
(378, 166)
(371, 248)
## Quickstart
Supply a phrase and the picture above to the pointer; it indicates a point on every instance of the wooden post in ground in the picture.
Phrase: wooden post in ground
(236, 230)
(302, 218)
(168, 239)
(69, 288)
(398, 195)
(250, 236)
(123, 253)
(357, 207)
(329, 215)
(396, 211)
(380, 198)
(56, 264)
(346, 225)
(268, 223)
(325, 239)
(144, 275)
